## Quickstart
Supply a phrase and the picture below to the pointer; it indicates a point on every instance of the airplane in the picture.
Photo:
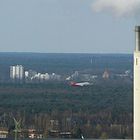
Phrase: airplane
(80, 84)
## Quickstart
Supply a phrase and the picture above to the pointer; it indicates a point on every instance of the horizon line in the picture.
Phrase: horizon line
(71, 53)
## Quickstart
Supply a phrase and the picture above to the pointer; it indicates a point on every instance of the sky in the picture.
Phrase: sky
(66, 26)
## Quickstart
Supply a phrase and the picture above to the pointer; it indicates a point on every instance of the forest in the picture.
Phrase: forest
(106, 106)
(101, 110)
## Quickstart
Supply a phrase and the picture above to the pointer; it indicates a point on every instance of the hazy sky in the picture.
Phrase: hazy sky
(59, 26)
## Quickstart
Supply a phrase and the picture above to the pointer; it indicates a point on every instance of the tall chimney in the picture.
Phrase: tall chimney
(137, 32)
(137, 85)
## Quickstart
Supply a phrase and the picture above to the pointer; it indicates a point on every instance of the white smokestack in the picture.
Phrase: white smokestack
(117, 7)
(137, 85)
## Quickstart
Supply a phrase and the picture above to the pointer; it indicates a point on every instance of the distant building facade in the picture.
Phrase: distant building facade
(17, 72)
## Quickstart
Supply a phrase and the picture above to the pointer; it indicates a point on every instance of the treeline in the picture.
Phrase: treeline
(99, 125)
(106, 94)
